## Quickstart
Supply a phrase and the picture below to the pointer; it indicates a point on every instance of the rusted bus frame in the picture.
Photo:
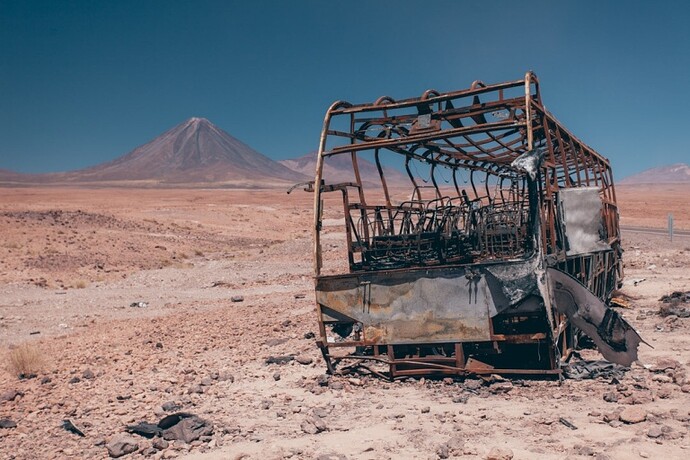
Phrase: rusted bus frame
(569, 163)
(567, 154)
(391, 104)
(597, 271)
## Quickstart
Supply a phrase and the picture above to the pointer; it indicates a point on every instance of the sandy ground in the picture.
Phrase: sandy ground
(72, 261)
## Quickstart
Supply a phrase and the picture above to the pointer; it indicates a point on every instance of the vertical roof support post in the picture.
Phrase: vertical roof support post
(318, 261)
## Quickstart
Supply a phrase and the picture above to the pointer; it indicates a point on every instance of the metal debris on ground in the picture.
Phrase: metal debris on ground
(675, 304)
(181, 426)
(69, 426)
(579, 370)
(478, 235)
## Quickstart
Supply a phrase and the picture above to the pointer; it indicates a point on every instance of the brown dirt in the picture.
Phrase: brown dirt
(73, 260)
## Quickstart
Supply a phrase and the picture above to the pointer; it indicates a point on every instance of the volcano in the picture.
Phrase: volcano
(195, 151)
(673, 174)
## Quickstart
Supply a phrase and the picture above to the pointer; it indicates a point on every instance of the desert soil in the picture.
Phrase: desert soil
(73, 261)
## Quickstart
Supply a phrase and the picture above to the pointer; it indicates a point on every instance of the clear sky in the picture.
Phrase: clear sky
(83, 82)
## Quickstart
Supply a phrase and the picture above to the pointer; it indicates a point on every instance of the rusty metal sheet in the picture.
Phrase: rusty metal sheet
(615, 338)
(418, 306)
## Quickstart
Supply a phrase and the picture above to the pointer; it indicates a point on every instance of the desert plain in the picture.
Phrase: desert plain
(141, 302)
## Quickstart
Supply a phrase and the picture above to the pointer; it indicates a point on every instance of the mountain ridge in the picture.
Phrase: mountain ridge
(193, 152)
(669, 174)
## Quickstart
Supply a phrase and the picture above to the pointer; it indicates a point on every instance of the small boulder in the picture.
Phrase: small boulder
(499, 453)
(633, 414)
(304, 360)
(7, 423)
(10, 395)
(654, 432)
(122, 444)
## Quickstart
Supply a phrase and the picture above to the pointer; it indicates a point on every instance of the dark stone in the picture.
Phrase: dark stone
(187, 429)
(88, 374)
(170, 406)
(7, 423)
(279, 359)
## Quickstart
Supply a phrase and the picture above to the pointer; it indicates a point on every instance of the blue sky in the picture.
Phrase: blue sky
(85, 82)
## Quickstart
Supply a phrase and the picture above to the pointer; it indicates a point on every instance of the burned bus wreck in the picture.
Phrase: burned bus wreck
(464, 232)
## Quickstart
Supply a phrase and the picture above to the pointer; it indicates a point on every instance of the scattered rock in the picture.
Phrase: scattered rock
(148, 451)
(224, 376)
(122, 444)
(336, 385)
(309, 335)
(305, 360)
(500, 387)
(170, 406)
(443, 451)
(139, 304)
(461, 399)
(276, 376)
(195, 389)
(7, 423)
(331, 456)
(665, 363)
(275, 342)
(88, 374)
(159, 443)
(456, 445)
(323, 380)
(10, 395)
(185, 427)
(237, 298)
(426, 409)
(308, 427)
(611, 397)
(279, 359)
(654, 432)
(74, 379)
(633, 414)
(473, 384)
(266, 404)
(499, 453)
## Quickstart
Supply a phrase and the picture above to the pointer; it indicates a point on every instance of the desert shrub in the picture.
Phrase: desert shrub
(25, 361)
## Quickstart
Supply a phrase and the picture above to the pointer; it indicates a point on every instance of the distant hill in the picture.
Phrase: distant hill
(338, 168)
(193, 152)
(677, 173)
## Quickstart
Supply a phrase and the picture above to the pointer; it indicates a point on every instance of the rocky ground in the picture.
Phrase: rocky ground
(73, 262)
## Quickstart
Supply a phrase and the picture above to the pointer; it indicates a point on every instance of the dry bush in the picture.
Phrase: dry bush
(25, 361)
(80, 284)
